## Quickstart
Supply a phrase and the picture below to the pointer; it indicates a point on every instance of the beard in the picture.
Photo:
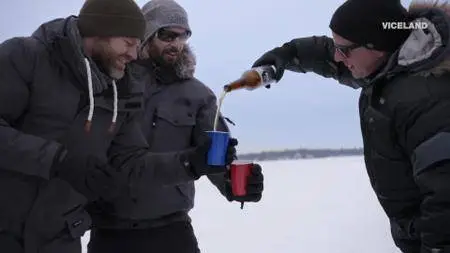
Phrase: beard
(170, 63)
(107, 59)
(167, 57)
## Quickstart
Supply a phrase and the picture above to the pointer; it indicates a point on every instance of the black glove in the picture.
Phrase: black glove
(278, 57)
(198, 158)
(255, 186)
(90, 176)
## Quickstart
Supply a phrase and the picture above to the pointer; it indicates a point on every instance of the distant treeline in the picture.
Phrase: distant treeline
(300, 154)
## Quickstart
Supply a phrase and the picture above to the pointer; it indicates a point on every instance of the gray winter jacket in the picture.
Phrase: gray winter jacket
(44, 103)
(175, 104)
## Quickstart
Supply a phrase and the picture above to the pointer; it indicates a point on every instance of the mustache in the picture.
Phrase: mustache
(173, 50)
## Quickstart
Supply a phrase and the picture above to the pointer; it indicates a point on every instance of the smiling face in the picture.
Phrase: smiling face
(360, 60)
(114, 53)
(167, 44)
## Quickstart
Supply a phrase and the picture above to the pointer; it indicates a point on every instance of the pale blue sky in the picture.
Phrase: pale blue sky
(302, 110)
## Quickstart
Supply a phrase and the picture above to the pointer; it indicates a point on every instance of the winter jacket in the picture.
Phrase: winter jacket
(405, 123)
(175, 104)
(44, 103)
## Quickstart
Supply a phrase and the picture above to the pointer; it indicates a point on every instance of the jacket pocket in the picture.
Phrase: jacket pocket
(381, 134)
(58, 212)
(172, 128)
(176, 116)
(69, 238)
(77, 223)
(386, 167)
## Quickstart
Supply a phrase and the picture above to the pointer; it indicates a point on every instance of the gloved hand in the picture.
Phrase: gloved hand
(199, 155)
(89, 176)
(278, 57)
(255, 186)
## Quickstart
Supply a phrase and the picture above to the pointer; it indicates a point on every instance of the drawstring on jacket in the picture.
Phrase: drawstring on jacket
(88, 125)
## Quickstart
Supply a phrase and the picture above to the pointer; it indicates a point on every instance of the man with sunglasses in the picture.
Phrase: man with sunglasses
(404, 77)
(178, 108)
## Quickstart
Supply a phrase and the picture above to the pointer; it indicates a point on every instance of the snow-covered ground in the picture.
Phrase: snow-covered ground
(317, 205)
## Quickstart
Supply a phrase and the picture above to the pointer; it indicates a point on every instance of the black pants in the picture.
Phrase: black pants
(174, 238)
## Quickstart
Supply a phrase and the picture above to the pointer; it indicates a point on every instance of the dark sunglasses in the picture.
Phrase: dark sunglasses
(345, 50)
(169, 36)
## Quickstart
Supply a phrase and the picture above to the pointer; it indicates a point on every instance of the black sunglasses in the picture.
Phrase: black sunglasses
(345, 50)
(169, 36)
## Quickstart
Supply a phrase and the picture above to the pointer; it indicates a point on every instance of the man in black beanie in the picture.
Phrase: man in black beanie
(400, 61)
(69, 138)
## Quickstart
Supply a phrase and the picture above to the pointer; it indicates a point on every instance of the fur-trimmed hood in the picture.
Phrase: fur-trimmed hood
(185, 67)
(426, 51)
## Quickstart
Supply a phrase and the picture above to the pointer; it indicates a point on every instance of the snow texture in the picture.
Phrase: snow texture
(313, 205)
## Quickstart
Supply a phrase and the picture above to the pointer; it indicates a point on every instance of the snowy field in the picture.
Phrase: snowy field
(317, 205)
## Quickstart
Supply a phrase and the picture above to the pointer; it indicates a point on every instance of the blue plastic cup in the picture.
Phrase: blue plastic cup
(218, 151)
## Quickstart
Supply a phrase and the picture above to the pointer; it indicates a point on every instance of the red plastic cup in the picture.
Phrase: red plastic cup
(240, 170)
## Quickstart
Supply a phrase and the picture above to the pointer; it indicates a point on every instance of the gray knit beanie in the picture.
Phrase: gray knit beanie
(163, 13)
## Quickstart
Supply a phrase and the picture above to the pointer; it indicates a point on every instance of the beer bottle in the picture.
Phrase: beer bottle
(253, 78)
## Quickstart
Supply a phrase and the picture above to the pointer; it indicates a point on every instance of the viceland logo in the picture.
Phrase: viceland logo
(404, 25)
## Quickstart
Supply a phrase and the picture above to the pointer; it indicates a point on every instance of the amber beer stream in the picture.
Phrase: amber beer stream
(216, 118)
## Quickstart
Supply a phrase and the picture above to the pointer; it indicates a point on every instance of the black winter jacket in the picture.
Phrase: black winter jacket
(43, 107)
(405, 123)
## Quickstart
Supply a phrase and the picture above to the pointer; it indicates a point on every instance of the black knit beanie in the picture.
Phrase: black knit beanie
(111, 18)
(361, 22)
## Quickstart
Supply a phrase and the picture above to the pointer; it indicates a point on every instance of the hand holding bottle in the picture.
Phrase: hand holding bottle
(278, 57)
(253, 78)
